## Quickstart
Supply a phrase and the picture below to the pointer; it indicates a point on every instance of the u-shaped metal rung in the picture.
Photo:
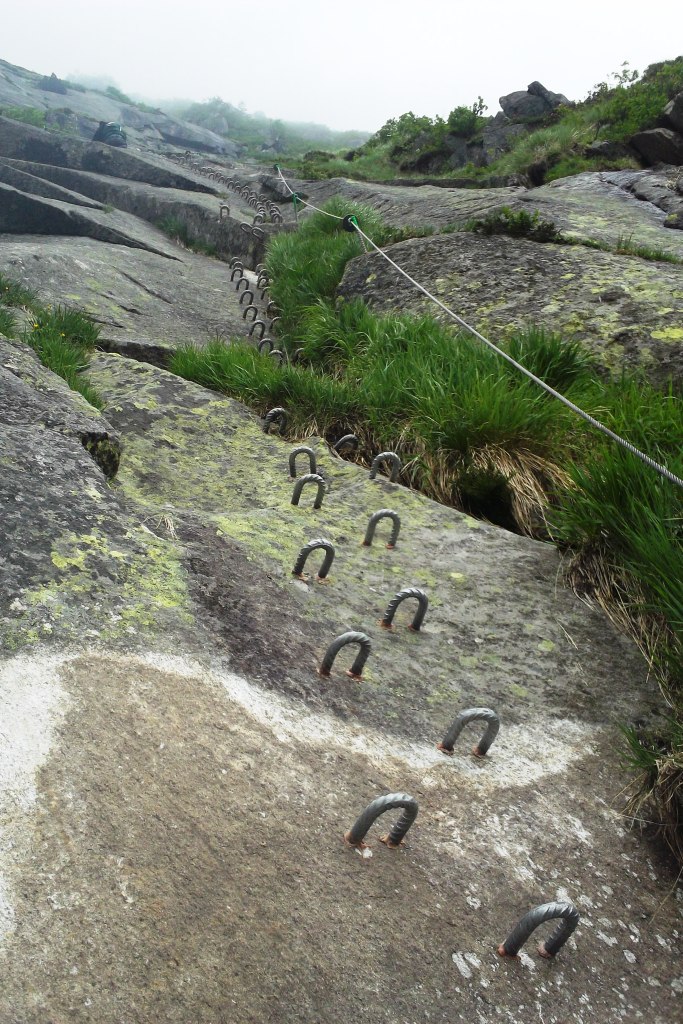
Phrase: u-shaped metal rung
(335, 647)
(224, 211)
(464, 718)
(265, 341)
(296, 356)
(301, 450)
(262, 280)
(278, 354)
(313, 545)
(259, 218)
(236, 262)
(309, 478)
(272, 309)
(403, 595)
(375, 518)
(356, 834)
(237, 270)
(242, 281)
(277, 415)
(247, 291)
(390, 457)
(347, 441)
(258, 232)
(569, 916)
(255, 324)
(248, 308)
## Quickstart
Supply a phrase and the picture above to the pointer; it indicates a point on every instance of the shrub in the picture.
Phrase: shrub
(50, 83)
(517, 224)
(27, 115)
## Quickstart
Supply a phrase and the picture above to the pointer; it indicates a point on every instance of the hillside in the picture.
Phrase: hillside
(176, 776)
(537, 136)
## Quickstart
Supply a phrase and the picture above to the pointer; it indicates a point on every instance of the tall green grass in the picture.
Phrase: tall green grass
(63, 338)
(308, 266)
(8, 322)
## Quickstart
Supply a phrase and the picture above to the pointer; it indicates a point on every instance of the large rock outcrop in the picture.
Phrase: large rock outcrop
(627, 310)
(78, 111)
(23, 142)
(175, 776)
(160, 673)
(658, 146)
(534, 102)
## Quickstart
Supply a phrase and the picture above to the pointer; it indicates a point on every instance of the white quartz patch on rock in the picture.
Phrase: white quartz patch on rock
(32, 703)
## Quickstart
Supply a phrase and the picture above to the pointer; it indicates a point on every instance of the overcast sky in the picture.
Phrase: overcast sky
(351, 64)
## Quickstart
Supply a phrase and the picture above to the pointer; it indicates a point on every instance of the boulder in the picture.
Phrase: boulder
(145, 303)
(607, 149)
(37, 186)
(534, 102)
(177, 778)
(23, 213)
(568, 289)
(552, 99)
(499, 136)
(659, 146)
(673, 113)
(522, 105)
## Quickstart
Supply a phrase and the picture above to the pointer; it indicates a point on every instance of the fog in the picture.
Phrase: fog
(350, 65)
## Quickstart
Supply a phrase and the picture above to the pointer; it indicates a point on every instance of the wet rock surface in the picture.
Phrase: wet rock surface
(176, 778)
(423, 206)
(80, 110)
(628, 311)
(180, 778)
(139, 298)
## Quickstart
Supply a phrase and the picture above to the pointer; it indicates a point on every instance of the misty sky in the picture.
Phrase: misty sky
(352, 64)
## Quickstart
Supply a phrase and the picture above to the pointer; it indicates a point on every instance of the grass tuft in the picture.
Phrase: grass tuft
(63, 338)
(516, 224)
(8, 322)
(14, 294)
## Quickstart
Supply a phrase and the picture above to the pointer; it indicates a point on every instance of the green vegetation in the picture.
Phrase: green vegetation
(475, 433)
(179, 232)
(308, 266)
(524, 224)
(517, 224)
(625, 246)
(28, 115)
(61, 337)
(13, 294)
(8, 322)
(657, 801)
(556, 146)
